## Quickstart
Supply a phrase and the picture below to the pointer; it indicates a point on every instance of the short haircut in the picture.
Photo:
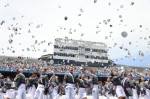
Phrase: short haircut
(45, 69)
(35, 73)
(70, 67)
(125, 74)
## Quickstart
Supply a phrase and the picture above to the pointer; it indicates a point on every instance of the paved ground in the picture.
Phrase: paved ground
(76, 97)
(89, 97)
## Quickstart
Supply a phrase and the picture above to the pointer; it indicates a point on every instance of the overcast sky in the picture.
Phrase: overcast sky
(103, 21)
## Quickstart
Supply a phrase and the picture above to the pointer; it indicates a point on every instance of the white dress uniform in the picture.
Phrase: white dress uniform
(147, 94)
(32, 82)
(144, 94)
(10, 93)
(135, 95)
(134, 89)
(1, 85)
(1, 94)
(127, 85)
(69, 81)
(109, 90)
(42, 83)
(82, 93)
(82, 88)
(116, 80)
(20, 83)
(53, 87)
(120, 91)
(29, 87)
(33, 91)
(148, 88)
(95, 90)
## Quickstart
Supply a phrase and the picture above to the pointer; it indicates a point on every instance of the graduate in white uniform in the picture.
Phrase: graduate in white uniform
(20, 84)
(32, 83)
(40, 92)
(134, 88)
(82, 87)
(88, 87)
(143, 89)
(147, 90)
(10, 86)
(149, 87)
(108, 88)
(100, 88)
(127, 85)
(1, 86)
(53, 86)
(116, 80)
(94, 82)
(29, 86)
(69, 84)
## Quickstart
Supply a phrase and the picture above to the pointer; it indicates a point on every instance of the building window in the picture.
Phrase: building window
(95, 50)
(71, 48)
(87, 49)
(56, 46)
(86, 56)
(64, 54)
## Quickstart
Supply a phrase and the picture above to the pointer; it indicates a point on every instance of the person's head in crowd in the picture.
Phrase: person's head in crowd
(142, 79)
(34, 74)
(147, 82)
(137, 81)
(8, 78)
(44, 70)
(86, 77)
(108, 79)
(130, 76)
(1, 75)
(100, 82)
(20, 70)
(82, 76)
(71, 69)
(106, 82)
(125, 74)
(115, 74)
(93, 71)
(51, 74)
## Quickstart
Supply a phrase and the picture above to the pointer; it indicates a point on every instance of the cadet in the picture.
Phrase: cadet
(10, 86)
(148, 86)
(109, 88)
(105, 89)
(138, 87)
(82, 87)
(42, 84)
(133, 85)
(94, 82)
(32, 83)
(20, 84)
(88, 87)
(126, 83)
(69, 81)
(28, 85)
(116, 80)
(143, 88)
(1, 86)
(100, 87)
(53, 86)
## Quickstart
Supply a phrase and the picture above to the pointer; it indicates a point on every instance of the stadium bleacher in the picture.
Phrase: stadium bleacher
(10, 64)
